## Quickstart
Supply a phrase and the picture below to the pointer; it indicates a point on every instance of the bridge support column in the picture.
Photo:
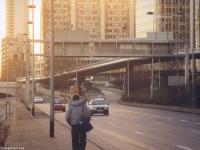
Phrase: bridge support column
(187, 73)
(129, 74)
(81, 79)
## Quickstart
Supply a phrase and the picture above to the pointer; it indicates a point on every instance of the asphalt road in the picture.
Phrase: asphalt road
(130, 128)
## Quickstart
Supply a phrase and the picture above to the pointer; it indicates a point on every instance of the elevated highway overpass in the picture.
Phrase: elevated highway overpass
(114, 63)
(126, 53)
(8, 88)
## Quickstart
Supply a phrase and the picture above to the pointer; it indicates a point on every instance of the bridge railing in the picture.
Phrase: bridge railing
(183, 51)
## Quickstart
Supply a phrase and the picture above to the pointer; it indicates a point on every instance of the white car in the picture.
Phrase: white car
(98, 106)
(38, 99)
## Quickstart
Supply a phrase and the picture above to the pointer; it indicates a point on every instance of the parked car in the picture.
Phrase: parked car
(98, 106)
(38, 99)
(59, 104)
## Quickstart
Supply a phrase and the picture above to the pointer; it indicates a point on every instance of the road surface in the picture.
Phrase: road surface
(130, 128)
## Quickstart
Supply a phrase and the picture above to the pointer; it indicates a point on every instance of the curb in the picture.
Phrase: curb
(112, 89)
(161, 107)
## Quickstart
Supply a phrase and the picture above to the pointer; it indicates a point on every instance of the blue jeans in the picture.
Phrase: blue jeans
(78, 138)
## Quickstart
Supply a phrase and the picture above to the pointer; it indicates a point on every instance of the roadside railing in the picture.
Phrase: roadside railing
(6, 110)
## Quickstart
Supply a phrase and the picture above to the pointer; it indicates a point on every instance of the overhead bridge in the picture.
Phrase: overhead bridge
(8, 88)
(123, 50)
(113, 48)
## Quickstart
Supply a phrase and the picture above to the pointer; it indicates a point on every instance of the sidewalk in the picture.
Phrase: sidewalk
(32, 133)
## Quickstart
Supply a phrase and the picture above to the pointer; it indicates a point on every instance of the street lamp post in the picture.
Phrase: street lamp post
(192, 42)
(7, 72)
(52, 72)
(33, 61)
(76, 71)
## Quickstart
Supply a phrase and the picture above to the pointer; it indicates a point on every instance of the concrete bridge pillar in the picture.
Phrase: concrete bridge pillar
(81, 79)
(129, 77)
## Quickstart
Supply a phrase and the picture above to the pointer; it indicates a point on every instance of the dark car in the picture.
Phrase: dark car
(59, 105)
(98, 106)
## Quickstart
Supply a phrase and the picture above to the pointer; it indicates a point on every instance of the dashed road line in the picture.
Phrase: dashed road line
(169, 118)
(183, 147)
(197, 123)
(138, 132)
(183, 120)
(196, 131)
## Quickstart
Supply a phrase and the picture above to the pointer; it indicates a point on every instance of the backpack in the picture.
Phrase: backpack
(84, 122)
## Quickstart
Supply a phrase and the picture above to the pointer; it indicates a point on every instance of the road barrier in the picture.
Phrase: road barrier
(8, 109)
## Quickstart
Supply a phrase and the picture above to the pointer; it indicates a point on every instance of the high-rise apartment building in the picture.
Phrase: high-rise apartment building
(197, 23)
(117, 19)
(61, 17)
(13, 44)
(170, 16)
(12, 64)
(10, 18)
(108, 19)
(88, 17)
(16, 17)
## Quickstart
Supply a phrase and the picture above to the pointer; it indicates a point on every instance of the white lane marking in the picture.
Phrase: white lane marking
(183, 120)
(197, 123)
(183, 147)
(112, 124)
(169, 118)
(138, 132)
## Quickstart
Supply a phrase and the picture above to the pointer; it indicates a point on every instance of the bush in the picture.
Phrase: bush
(4, 131)
(167, 96)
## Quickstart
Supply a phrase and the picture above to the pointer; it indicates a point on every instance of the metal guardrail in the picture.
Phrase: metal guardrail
(6, 112)
(183, 51)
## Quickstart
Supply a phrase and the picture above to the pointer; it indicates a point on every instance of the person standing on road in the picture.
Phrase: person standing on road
(73, 115)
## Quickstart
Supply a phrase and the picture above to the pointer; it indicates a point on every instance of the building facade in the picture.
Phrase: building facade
(12, 64)
(10, 18)
(197, 23)
(16, 17)
(13, 44)
(102, 19)
(170, 16)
